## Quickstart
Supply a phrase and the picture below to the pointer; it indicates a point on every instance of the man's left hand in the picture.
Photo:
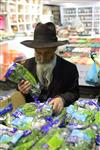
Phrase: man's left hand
(58, 104)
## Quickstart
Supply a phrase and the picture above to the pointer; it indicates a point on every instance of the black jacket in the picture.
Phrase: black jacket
(64, 82)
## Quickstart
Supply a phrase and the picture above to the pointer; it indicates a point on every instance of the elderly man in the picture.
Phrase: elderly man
(57, 77)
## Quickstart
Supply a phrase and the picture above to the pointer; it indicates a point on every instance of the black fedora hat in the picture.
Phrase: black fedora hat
(44, 37)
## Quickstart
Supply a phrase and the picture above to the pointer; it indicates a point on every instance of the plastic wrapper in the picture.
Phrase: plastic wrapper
(43, 131)
(53, 140)
(30, 116)
(5, 113)
(23, 123)
(17, 72)
(88, 104)
(19, 120)
(97, 120)
(4, 128)
(98, 140)
(28, 109)
(7, 109)
(24, 146)
(4, 146)
(79, 117)
(83, 139)
(44, 110)
(61, 117)
(28, 141)
(48, 126)
(9, 135)
(34, 109)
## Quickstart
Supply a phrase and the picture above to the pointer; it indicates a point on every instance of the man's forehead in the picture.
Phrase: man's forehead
(45, 49)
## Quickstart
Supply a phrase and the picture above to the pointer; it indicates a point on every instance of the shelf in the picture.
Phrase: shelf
(19, 14)
(70, 14)
(86, 14)
(3, 13)
(86, 20)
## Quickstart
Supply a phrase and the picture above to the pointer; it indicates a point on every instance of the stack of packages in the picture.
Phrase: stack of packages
(32, 126)
(79, 50)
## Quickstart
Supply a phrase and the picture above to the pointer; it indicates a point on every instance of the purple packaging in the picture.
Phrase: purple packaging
(8, 108)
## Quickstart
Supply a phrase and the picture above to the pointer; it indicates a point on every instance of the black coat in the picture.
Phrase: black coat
(64, 82)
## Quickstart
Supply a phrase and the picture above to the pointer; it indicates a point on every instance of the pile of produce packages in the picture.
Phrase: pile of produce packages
(79, 49)
(32, 126)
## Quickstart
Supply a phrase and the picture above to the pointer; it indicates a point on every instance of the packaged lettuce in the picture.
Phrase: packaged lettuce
(4, 146)
(79, 116)
(44, 110)
(82, 145)
(28, 109)
(29, 106)
(81, 139)
(90, 104)
(6, 109)
(17, 72)
(38, 123)
(23, 123)
(4, 128)
(53, 140)
(97, 120)
(45, 128)
(34, 135)
(86, 135)
(24, 146)
(26, 142)
(9, 135)
(61, 117)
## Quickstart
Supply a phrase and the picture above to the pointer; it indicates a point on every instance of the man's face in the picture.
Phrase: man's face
(44, 55)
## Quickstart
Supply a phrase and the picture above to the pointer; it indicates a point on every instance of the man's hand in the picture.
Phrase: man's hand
(58, 104)
(24, 87)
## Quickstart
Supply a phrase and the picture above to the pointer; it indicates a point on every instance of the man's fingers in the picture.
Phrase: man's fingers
(26, 90)
(24, 86)
(21, 82)
(51, 102)
(57, 105)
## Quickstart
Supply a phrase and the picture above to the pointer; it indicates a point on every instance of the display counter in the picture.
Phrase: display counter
(32, 126)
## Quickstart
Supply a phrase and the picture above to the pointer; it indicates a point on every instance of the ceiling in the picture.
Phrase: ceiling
(62, 2)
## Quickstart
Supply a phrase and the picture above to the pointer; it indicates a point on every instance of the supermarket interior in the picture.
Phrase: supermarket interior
(32, 126)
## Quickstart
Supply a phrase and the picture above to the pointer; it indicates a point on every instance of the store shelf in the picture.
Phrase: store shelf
(88, 15)
(20, 13)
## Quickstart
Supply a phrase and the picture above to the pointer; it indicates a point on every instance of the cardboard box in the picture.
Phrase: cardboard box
(16, 99)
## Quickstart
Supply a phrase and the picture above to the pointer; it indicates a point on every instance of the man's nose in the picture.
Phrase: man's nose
(42, 58)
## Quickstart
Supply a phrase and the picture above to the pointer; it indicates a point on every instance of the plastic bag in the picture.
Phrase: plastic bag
(99, 76)
(92, 75)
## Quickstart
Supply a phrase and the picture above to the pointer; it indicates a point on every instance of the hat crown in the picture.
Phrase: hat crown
(44, 37)
(45, 33)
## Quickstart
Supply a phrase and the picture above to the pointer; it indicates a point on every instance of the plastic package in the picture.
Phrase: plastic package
(17, 72)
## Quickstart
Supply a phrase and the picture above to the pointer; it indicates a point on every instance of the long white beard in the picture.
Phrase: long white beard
(44, 72)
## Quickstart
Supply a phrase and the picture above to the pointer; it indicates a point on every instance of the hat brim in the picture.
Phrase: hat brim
(33, 44)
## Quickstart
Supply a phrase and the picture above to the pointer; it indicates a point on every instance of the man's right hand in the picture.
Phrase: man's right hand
(24, 86)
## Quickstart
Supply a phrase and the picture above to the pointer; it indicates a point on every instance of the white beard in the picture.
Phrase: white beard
(44, 72)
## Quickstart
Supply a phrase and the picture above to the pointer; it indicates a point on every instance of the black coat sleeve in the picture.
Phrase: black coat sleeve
(72, 93)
